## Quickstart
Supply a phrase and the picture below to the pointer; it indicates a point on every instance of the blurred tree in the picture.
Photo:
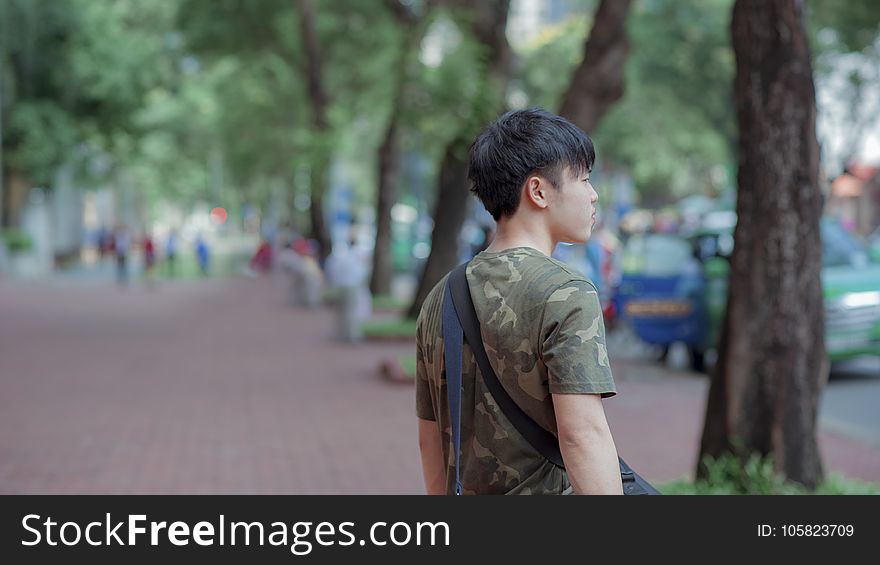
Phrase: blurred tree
(38, 128)
(598, 81)
(323, 71)
(855, 24)
(486, 21)
(771, 360)
(847, 64)
(412, 21)
(673, 127)
(315, 83)
(72, 75)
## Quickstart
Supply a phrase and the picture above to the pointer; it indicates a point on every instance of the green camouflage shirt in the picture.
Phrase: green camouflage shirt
(543, 331)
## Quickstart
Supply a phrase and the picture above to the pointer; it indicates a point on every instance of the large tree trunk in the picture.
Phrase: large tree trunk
(319, 102)
(489, 27)
(772, 362)
(597, 83)
(449, 215)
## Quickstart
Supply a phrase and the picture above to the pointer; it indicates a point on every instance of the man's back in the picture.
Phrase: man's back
(542, 328)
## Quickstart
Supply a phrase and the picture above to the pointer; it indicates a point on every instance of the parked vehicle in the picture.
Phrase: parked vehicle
(674, 289)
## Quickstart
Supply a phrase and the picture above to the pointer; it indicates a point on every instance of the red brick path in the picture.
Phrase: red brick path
(219, 387)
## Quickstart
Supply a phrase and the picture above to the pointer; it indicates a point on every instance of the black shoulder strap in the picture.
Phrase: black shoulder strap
(543, 441)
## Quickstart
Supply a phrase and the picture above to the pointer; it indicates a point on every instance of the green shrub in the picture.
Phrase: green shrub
(17, 241)
(730, 475)
(388, 302)
(402, 329)
(408, 364)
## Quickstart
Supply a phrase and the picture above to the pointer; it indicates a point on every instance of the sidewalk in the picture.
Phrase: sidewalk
(657, 420)
(219, 387)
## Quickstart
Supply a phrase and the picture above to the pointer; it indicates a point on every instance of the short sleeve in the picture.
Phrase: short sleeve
(573, 341)
(424, 404)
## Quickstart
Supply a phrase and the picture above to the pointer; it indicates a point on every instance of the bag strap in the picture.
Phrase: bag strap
(452, 348)
(543, 441)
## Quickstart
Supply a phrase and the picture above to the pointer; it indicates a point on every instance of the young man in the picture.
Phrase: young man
(540, 321)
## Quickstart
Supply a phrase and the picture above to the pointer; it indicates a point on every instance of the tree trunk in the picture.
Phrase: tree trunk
(389, 151)
(389, 177)
(15, 194)
(597, 83)
(449, 215)
(772, 362)
(319, 102)
(318, 182)
(488, 26)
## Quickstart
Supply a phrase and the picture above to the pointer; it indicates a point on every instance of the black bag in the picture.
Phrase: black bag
(460, 321)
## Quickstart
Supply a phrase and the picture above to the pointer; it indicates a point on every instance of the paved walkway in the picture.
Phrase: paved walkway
(219, 387)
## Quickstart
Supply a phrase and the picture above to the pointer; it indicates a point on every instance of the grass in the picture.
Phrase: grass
(729, 475)
(390, 329)
(388, 302)
(408, 364)
(380, 302)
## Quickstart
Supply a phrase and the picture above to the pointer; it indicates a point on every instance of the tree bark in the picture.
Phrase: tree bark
(317, 186)
(449, 215)
(597, 83)
(15, 193)
(389, 177)
(319, 101)
(772, 362)
(389, 152)
(489, 27)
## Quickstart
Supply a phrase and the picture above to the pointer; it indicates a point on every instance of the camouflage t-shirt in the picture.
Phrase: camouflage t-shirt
(543, 331)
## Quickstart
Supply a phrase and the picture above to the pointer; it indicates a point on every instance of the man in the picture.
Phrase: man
(540, 321)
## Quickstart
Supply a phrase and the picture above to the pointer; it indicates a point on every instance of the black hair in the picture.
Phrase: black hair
(521, 143)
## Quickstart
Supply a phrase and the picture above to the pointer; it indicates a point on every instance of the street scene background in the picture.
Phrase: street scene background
(218, 221)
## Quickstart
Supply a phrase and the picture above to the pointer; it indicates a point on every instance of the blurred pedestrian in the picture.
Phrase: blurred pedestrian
(202, 255)
(171, 251)
(122, 245)
(262, 259)
(149, 258)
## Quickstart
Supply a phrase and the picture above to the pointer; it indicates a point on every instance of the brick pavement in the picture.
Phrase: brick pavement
(219, 387)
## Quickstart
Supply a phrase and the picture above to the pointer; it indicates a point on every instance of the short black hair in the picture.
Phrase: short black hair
(521, 143)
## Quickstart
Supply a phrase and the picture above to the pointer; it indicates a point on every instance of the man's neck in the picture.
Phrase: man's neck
(510, 235)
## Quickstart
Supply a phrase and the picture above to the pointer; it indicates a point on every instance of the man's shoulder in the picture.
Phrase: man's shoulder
(429, 313)
(540, 274)
(435, 296)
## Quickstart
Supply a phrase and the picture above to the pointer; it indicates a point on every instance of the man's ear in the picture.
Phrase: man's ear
(537, 191)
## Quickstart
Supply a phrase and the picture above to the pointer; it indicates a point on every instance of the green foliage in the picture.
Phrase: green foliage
(16, 241)
(855, 24)
(729, 475)
(674, 129)
(42, 134)
(206, 100)
(543, 84)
